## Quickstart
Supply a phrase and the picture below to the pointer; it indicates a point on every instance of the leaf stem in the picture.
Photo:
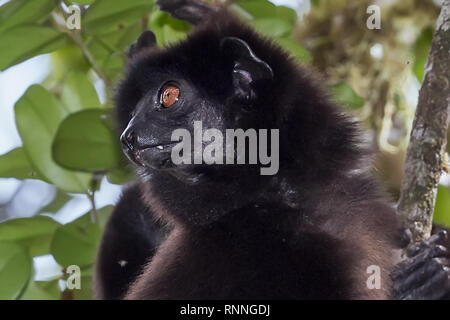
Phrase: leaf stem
(96, 178)
(76, 37)
(94, 216)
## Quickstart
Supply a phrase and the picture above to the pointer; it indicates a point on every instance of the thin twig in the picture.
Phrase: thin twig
(94, 215)
(144, 22)
(76, 37)
(95, 183)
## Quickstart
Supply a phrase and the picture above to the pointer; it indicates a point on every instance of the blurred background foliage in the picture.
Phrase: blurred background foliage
(66, 127)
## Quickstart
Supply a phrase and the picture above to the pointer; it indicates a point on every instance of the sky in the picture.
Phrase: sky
(13, 83)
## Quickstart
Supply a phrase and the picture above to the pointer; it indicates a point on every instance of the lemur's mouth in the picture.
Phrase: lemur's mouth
(159, 146)
(156, 156)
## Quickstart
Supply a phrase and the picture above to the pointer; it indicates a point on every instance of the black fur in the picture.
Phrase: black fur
(130, 238)
(308, 232)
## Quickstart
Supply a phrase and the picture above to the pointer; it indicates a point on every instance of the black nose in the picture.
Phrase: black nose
(128, 139)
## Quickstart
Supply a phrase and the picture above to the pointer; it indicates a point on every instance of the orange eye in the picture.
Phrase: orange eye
(170, 96)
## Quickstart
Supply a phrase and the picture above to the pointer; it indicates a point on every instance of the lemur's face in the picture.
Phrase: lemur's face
(160, 96)
(168, 103)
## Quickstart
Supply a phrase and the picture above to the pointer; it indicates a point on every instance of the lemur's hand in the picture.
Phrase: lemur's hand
(425, 274)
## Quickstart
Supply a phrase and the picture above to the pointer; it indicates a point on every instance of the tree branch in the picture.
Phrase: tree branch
(424, 157)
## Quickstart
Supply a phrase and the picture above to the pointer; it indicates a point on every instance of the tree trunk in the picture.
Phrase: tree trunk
(424, 157)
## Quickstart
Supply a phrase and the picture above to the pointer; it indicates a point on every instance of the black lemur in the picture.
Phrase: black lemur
(314, 230)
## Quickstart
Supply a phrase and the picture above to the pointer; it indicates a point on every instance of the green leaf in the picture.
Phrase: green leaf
(295, 49)
(272, 27)
(17, 12)
(15, 164)
(23, 42)
(113, 65)
(15, 270)
(345, 95)
(82, 2)
(120, 40)
(85, 292)
(38, 114)
(85, 142)
(240, 12)
(106, 15)
(315, 3)
(34, 233)
(167, 29)
(60, 199)
(67, 59)
(121, 175)
(264, 9)
(109, 60)
(259, 8)
(172, 35)
(78, 92)
(441, 210)
(76, 243)
(42, 290)
(421, 50)
(287, 14)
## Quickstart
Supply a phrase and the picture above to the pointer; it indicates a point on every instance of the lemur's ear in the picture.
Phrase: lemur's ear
(249, 71)
(145, 41)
